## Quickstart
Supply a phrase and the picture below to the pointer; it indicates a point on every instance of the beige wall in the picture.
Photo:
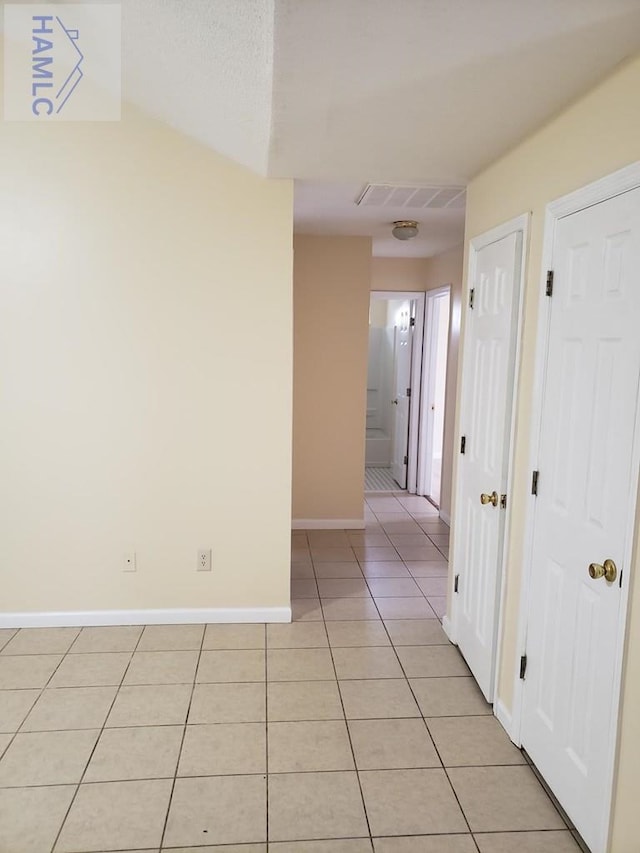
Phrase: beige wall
(422, 274)
(332, 278)
(146, 360)
(399, 273)
(596, 136)
(447, 269)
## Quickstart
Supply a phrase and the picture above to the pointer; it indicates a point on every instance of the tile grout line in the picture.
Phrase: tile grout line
(359, 562)
(253, 722)
(38, 697)
(266, 731)
(184, 734)
(278, 649)
(403, 562)
(423, 717)
(118, 686)
(415, 699)
(292, 772)
(346, 725)
(41, 689)
(445, 556)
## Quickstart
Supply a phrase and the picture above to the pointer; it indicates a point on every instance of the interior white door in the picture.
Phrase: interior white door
(438, 387)
(402, 393)
(487, 393)
(582, 507)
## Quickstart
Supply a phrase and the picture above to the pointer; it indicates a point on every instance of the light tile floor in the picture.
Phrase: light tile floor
(356, 728)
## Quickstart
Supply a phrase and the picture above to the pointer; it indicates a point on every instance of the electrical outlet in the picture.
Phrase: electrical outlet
(129, 562)
(204, 560)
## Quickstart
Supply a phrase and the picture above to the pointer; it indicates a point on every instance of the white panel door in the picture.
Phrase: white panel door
(403, 333)
(487, 394)
(434, 394)
(582, 512)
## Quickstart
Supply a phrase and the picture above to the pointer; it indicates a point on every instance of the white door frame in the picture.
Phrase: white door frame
(519, 224)
(425, 445)
(416, 373)
(619, 182)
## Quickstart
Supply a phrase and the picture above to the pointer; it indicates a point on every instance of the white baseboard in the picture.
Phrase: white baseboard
(178, 616)
(504, 718)
(447, 627)
(328, 524)
(445, 517)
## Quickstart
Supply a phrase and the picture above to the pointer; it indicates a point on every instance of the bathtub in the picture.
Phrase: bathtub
(377, 448)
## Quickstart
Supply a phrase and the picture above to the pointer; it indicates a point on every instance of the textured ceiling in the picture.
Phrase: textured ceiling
(358, 91)
(368, 90)
(204, 67)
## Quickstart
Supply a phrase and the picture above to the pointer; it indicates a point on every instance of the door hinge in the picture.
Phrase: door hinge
(406, 460)
(503, 501)
(534, 482)
(412, 321)
(408, 392)
(463, 444)
(472, 294)
(549, 288)
(456, 581)
(523, 666)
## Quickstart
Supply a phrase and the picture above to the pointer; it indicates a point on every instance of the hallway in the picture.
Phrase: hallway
(430, 757)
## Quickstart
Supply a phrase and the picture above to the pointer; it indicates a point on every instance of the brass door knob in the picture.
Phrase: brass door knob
(608, 570)
(489, 499)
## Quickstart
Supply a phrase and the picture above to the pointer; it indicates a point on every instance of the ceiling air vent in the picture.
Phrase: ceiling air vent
(412, 197)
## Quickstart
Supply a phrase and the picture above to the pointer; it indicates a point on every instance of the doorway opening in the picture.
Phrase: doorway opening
(396, 323)
(406, 386)
(436, 347)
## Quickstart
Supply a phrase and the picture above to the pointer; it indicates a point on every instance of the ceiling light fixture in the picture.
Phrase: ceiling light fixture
(404, 229)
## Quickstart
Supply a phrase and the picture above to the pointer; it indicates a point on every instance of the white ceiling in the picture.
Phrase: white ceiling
(423, 91)
(204, 67)
(430, 90)
(329, 208)
(357, 91)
